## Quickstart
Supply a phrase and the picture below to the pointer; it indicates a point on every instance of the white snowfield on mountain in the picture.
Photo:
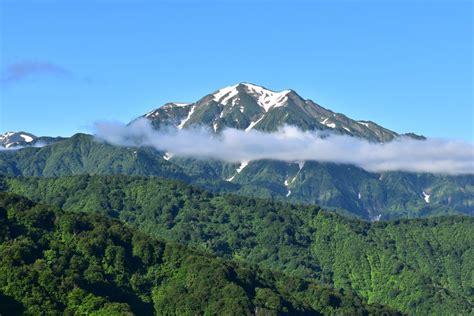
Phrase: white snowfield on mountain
(265, 98)
(181, 125)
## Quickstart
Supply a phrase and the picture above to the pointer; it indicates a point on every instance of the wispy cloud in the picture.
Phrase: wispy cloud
(291, 144)
(18, 71)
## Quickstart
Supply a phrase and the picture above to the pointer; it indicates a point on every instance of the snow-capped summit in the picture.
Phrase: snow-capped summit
(247, 106)
(264, 97)
(13, 139)
(16, 140)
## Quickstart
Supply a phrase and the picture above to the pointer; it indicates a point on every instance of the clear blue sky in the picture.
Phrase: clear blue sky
(404, 64)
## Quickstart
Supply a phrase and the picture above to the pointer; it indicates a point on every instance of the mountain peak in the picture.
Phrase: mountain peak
(248, 106)
(13, 139)
(264, 97)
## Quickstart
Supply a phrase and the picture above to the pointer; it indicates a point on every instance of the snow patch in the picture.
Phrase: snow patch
(252, 124)
(6, 135)
(215, 125)
(376, 218)
(265, 98)
(170, 105)
(231, 178)
(363, 123)
(155, 113)
(152, 114)
(27, 138)
(286, 185)
(426, 197)
(225, 94)
(347, 129)
(181, 125)
(325, 122)
(243, 164)
(168, 156)
(359, 196)
(181, 104)
(301, 164)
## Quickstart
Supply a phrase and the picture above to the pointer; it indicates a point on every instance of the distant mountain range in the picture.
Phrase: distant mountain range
(23, 139)
(344, 188)
(14, 139)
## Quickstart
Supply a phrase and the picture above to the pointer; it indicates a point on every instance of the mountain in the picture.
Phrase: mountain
(24, 139)
(83, 154)
(386, 195)
(13, 139)
(247, 106)
(420, 266)
(346, 189)
(278, 253)
(72, 263)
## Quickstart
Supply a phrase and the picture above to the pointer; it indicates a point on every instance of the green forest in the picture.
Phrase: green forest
(54, 262)
(419, 266)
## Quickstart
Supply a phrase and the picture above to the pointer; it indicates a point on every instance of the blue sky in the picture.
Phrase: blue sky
(406, 65)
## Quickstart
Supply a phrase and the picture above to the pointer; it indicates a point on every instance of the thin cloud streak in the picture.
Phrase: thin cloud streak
(19, 71)
(291, 144)
(14, 148)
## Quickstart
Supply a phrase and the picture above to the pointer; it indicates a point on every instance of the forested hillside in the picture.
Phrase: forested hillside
(344, 188)
(417, 266)
(54, 263)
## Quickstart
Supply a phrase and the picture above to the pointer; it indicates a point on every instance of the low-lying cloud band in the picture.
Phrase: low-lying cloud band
(291, 144)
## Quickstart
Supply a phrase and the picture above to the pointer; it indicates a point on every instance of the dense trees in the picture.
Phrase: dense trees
(421, 266)
(52, 262)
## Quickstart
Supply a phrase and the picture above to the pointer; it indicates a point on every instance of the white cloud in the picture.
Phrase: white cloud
(292, 144)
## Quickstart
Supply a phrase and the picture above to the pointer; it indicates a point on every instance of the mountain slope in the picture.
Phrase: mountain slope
(55, 263)
(418, 266)
(82, 154)
(385, 195)
(346, 189)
